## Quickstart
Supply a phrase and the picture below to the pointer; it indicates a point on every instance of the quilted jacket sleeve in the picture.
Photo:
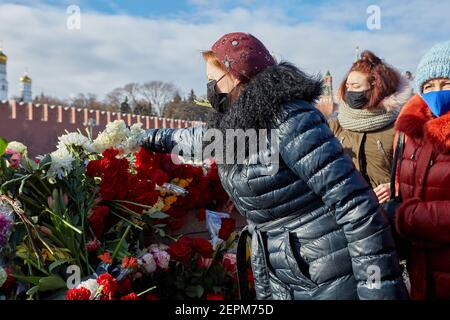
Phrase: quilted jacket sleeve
(186, 142)
(426, 222)
(309, 148)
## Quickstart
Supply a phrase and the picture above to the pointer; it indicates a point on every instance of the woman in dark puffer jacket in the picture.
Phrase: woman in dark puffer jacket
(317, 231)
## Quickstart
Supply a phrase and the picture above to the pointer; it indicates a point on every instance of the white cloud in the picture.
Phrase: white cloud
(111, 50)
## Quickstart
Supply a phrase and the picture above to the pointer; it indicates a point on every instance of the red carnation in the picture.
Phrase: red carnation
(141, 191)
(78, 294)
(159, 177)
(181, 250)
(203, 247)
(131, 296)
(227, 227)
(203, 182)
(214, 296)
(185, 241)
(97, 220)
(110, 153)
(146, 162)
(114, 174)
(109, 284)
(93, 168)
(213, 173)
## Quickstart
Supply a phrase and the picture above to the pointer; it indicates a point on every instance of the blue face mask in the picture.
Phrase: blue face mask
(438, 101)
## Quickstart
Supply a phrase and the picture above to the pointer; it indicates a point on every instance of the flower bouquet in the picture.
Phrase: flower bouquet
(95, 220)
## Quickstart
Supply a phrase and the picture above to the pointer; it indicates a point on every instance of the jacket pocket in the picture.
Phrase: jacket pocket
(267, 284)
(298, 266)
(279, 290)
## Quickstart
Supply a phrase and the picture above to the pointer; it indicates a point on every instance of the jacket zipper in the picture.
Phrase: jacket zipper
(381, 148)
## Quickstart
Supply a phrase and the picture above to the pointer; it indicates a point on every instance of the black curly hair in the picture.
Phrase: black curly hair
(261, 100)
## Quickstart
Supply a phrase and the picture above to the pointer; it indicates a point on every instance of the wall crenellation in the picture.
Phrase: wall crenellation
(39, 125)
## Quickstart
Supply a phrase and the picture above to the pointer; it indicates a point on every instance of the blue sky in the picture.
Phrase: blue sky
(137, 40)
(193, 10)
(171, 8)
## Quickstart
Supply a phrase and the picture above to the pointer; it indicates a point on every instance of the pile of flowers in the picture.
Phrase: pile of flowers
(108, 209)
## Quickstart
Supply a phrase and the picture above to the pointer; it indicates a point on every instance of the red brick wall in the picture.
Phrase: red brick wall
(38, 126)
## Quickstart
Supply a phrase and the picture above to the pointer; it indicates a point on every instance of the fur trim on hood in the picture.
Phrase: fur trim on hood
(417, 121)
(263, 98)
(398, 99)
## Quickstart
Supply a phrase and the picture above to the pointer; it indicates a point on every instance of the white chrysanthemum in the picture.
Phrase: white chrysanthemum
(18, 147)
(136, 132)
(91, 285)
(62, 161)
(116, 126)
(135, 138)
(114, 134)
(75, 139)
(118, 136)
(117, 130)
(102, 142)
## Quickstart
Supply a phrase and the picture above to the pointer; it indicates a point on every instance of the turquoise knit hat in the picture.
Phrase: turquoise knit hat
(435, 64)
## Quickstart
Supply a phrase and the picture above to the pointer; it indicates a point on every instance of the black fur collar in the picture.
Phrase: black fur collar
(264, 96)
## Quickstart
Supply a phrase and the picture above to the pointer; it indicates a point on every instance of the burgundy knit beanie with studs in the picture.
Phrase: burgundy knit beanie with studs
(242, 55)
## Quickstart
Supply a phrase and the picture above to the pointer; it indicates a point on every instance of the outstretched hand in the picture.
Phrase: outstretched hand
(383, 192)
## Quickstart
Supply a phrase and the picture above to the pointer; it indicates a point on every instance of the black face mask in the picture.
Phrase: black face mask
(356, 100)
(219, 101)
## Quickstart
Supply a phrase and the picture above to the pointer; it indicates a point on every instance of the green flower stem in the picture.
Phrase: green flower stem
(116, 250)
(125, 209)
(83, 242)
(15, 180)
(37, 190)
(148, 290)
(30, 201)
(133, 203)
(64, 221)
(129, 221)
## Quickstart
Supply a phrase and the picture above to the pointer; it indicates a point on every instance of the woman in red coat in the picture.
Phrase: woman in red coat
(424, 177)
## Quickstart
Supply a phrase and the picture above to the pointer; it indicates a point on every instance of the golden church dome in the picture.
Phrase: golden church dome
(25, 79)
(3, 57)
